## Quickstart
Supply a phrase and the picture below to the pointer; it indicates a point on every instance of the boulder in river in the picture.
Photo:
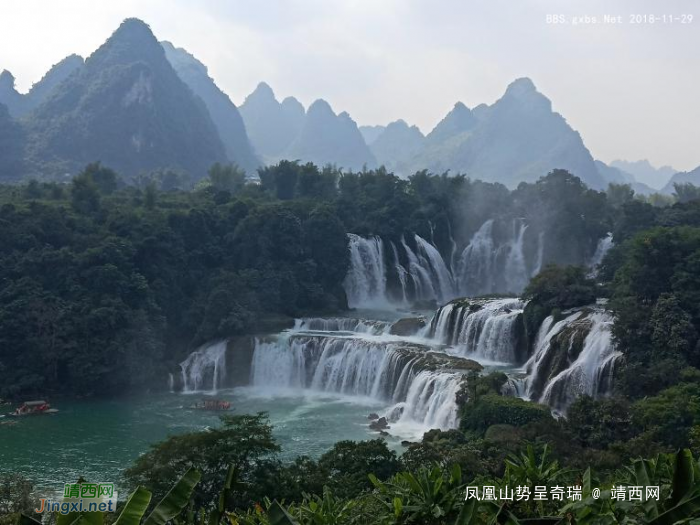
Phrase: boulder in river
(407, 326)
(379, 424)
(373, 416)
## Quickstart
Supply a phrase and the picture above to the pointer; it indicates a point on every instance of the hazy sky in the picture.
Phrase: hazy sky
(630, 90)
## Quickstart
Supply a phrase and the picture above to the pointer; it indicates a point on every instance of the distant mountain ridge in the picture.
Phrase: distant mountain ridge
(272, 126)
(682, 177)
(327, 138)
(518, 138)
(127, 107)
(137, 105)
(644, 172)
(222, 111)
(396, 142)
(11, 147)
(286, 131)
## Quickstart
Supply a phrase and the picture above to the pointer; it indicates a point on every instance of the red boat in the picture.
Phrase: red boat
(33, 408)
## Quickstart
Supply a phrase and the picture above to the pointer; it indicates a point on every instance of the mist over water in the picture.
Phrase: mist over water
(389, 274)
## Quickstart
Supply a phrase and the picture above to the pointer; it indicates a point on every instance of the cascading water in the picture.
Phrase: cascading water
(413, 377)
(342, 324)
(601, 251)
(516, 273)
(488, 265)
(485, 330)
(475, 273)
(365, 283)
(439, 273)
(417, 271)
(389, 371)
(420, 273)
(205, 368)
(591, 373)
(540, 254)
(430, 400)
(574, 356)
(342, 365)
(401, 273)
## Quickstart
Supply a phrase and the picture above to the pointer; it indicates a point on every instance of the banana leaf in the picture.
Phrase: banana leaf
(175, 500)
(135, 507)
(278, 516)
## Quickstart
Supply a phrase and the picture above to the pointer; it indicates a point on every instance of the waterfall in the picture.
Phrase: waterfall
(430, 400)
(540, 254)
(591, 372)
(171, 382)
(365, 282)
(476, 262)
(440, 275)
(384, 371)
(601, 251)
(516, 274)
(425, 276)
(571, 357)
(342, 365)
(401, 273)
(485, 330)
(342, 324)
(205, 368)
(559, 372)
(489, 265)
(419, 271)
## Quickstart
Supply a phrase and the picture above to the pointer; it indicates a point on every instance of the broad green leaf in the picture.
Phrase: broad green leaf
(398, 507)
(587, 482)
(683, 476)
(466, 513)
(135, 507)
(84, 518)
(456, 474)
(175, 500)
(278, 516)
(26, 520)
(686, 509)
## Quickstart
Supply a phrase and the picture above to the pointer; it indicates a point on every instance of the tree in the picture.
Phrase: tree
(106, 180)
(243, 441)
(556, 287)
(561, 287)
(348, 463)
(619, 194)
(227, 177)
(85, 195)
(685, 192)
(150, 196)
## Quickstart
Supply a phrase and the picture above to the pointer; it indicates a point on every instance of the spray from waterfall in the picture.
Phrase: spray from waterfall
(365, 283)
(205, 368)
(601, 251)
(380, 370)
(482, 330)
(590, 372)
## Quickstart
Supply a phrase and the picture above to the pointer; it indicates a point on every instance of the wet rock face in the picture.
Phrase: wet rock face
(407, 326)
(380, 424)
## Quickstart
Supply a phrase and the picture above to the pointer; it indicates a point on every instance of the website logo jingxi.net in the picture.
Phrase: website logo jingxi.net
(81, 497)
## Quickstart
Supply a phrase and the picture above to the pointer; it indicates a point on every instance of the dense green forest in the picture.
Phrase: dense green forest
(103, 285)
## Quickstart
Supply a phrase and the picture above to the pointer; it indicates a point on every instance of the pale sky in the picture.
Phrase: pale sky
(630, 90)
